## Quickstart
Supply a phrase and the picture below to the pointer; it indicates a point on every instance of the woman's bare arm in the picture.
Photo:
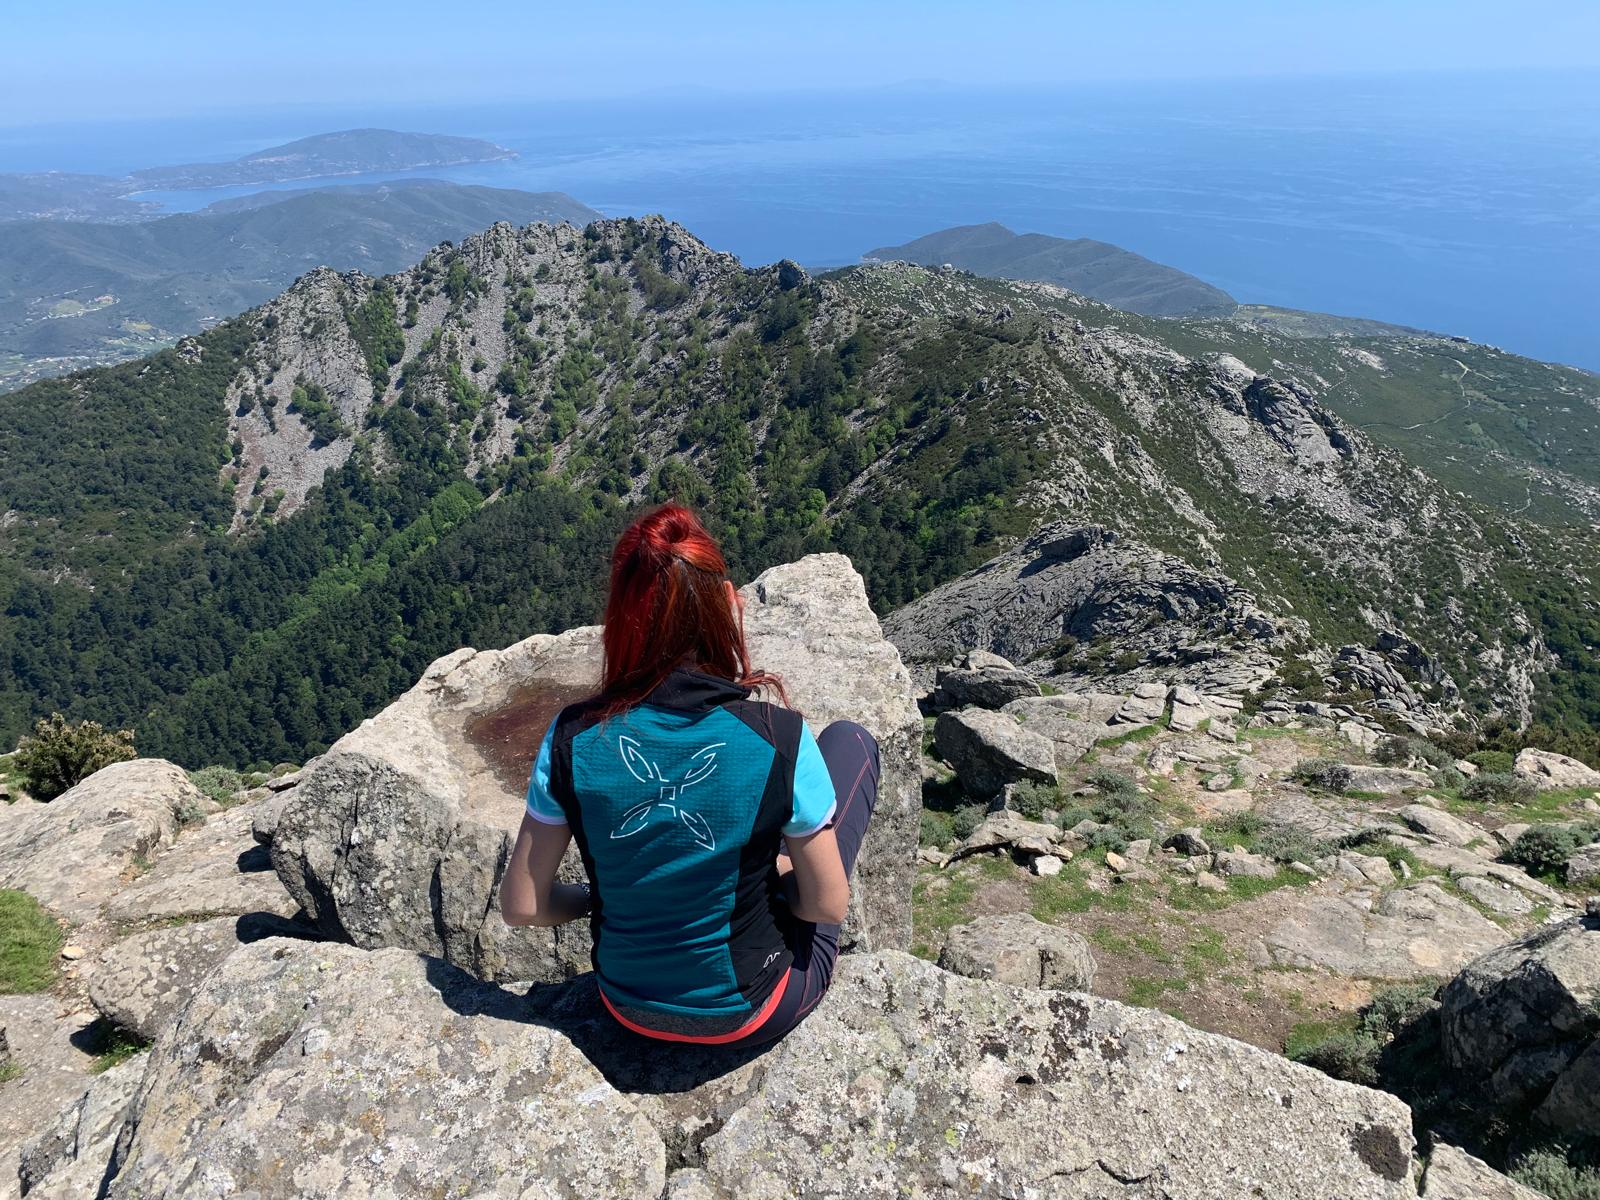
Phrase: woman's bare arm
(820, 892)
(529, 893)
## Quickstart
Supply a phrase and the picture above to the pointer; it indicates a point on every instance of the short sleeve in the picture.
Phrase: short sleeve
(814, 801)
(542, 804)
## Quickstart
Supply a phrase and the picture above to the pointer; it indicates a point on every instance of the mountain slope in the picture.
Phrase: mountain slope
(442, 457)
(1101, 271)
(78, 293)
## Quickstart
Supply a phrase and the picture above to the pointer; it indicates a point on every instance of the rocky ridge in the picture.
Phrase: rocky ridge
(272, 1067)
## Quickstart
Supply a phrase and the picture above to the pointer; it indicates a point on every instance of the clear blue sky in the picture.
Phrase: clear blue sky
(109, 58)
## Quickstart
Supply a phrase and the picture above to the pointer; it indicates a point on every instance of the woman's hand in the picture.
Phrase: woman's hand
(817, 888)
(529, 893)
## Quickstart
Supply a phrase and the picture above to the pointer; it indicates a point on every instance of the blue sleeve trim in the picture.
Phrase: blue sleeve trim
(814, 801)
(542, 806)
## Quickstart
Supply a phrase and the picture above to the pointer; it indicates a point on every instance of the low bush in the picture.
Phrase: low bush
(1031, 799)
(1555, 1171)
(1498, 762)
(1121, 804)
(1285, 842)
(60, 754)
(1402, 751)
(1545, 849)
(1327, 773)
(1499, 787)
(965, 820)
(1448, 778)
(1346, 1055)
(218, 783)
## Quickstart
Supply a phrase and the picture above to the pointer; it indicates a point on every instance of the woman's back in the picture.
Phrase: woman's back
(678, 805)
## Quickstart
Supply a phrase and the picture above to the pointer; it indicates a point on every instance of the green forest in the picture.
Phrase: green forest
(128, 601)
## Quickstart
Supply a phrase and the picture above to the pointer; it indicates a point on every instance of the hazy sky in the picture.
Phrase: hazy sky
(108, 58)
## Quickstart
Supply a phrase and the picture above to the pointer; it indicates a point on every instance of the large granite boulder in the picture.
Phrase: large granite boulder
(1019, 949)
(120, 816)
(213, 869)
(140, 982)
(991, 749)
(68, 1160)
(1521, 1025)
(1550, 770)
(302, 1070)
(398, 835)
(312, 1070)
(1413, 932)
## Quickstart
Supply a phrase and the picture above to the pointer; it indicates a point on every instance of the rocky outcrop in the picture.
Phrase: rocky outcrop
(117, 818)
(211, 870)
(398, 835)
(1550, 770)
(984, 681)
(1456, 1175)
(140, 983)
(1520, 1026)
(1413, 932)
(285, 1077)
(68, 1160)
(989, 750)
(1016, 948)
(1083, 586)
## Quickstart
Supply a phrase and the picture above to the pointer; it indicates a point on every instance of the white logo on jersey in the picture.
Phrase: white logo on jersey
(668, 795)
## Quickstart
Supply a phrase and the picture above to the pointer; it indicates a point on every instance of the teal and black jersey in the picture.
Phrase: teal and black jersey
(678, 806)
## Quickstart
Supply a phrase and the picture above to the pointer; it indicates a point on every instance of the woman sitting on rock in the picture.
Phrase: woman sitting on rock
(717, 832)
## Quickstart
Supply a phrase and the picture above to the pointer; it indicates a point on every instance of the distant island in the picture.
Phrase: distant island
(325, 155)
(1098, 270)
(78, 293)
(56, 195)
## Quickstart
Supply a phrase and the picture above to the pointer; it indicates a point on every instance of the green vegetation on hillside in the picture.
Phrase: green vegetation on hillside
(478, 503)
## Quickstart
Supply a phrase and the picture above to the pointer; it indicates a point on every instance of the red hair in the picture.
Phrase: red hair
(668, 608)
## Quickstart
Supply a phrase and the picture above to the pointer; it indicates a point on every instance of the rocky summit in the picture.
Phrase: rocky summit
(398, 835)
(359, 1022)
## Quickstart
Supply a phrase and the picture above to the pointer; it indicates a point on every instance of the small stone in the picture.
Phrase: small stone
(1302, 869)
(1591, 906)
(73, 952)
(1208, 882)
(1046, 865)
(1115, 861)
(1220, 782)
(316, 1041)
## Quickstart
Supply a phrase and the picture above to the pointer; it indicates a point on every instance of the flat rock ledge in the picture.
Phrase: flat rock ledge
(301, 1069)
(399, 834)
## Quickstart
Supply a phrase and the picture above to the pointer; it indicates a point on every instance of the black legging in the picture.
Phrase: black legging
(853, 762)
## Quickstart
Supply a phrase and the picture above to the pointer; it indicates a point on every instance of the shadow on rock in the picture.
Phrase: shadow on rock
(629, 1062)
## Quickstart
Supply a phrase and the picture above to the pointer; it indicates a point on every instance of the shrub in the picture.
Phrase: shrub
(1544, 849)
(1108, 837)
(1327, 773)
(219, 783)
(1551, 1171)
(1499, 787)
(1448, 778)
(1393, 1008)
(934, 829)
(1286, 843)
(1031, 799)
(1400, 751)
(59, 754)
(965, 820)
(1121, 805)
(1345, 1055)
(1499, 762)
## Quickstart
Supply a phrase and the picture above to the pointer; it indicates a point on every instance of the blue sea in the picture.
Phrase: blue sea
(1466, 204)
